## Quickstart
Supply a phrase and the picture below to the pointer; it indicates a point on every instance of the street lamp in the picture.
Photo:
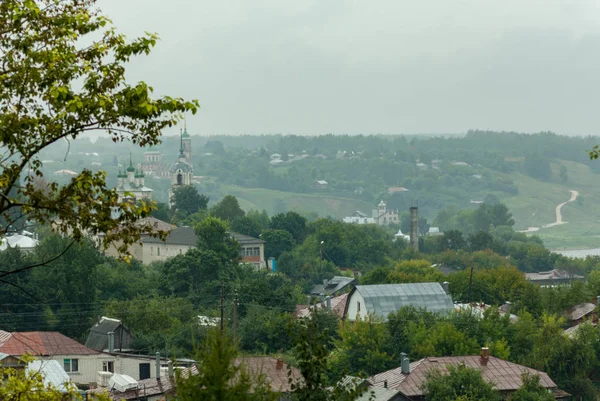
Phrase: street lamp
(321, 257)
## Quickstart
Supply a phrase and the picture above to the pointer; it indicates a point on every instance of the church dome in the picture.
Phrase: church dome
(185, 134)
(181, 165)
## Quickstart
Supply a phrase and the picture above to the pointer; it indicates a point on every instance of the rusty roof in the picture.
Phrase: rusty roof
(579, 311)
(41, 343)
(338, 304)
(504, 375)
(276, 377)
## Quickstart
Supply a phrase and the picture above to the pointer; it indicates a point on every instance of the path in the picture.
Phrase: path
(559, 216)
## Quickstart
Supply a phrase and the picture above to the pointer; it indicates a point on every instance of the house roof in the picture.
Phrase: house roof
(52, 373)
(98, 337)
(337, 283)
(276, 377)
(245, 239)
(338, 305)
(382, 299)
(579, 311)
(504, 375)
(41, 343)
(554, 274)
(177, 236)
(18, 240)
(571, 332)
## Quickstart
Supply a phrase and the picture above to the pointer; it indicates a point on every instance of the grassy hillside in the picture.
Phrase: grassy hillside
(536, 202)
(277, 201)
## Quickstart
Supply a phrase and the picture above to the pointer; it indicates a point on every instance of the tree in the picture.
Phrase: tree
(461, 383)
(161, 212)
(219, 377)
(56, 83)
(532, 390)
(564, 177)
(291, 222)
(361, 349)
(277, 242)
(187, 200)
(311, 353)
(227, 209)
(453, 239)
(247, 226)
(213, 236)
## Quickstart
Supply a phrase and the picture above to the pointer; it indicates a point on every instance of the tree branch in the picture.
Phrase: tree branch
(2, 275)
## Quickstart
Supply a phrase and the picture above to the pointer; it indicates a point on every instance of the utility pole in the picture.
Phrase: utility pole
(321, 257)
(235, 317)
(470, 283)
(222, 307)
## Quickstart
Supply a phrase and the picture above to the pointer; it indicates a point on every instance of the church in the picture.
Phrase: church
(131, 186)
(153, 159)
(181, 171)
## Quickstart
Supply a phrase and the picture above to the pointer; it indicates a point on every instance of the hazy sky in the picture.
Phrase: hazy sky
(373, 66)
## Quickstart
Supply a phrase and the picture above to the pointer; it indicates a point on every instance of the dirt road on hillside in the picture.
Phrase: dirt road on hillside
(559, 216)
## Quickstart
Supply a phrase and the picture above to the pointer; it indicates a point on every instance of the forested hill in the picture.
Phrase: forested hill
(531, 173)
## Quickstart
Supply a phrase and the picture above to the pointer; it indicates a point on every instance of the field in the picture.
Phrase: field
(277, 201)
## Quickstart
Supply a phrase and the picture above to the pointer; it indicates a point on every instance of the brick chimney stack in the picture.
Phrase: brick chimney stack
(485, 355)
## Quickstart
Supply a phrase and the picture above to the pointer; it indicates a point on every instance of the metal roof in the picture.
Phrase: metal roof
(382, 299)
(52, 374)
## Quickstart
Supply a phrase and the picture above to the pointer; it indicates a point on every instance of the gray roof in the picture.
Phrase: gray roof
(382, 299)
(177, 236)
(245, 239)
(337, 283)
(98, 337)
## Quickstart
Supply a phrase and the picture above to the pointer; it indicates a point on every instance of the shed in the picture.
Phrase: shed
(382, 299)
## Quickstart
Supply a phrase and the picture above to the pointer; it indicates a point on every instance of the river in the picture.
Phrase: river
(580, 253)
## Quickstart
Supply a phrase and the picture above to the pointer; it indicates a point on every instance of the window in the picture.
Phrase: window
(158, 251)
(180, 251)
(358, 305)
(151, 251)
(144, 371)
(179, 179)
(108, 366)
(71, 365)
(256, 251)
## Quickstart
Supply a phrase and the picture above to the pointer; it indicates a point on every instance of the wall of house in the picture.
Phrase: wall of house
(353, 308)
(158, 252)
(249, 257)
(90, 365)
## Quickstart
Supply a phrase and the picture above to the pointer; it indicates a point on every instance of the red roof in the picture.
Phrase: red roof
(504, 375)
(41, 343)
(276, 374)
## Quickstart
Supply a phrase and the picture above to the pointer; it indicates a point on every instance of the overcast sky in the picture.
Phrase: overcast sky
(373, 66)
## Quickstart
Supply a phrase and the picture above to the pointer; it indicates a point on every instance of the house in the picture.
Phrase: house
(383, 299)
(383, 216)
(81, 363)
(24, 242)
(98, 338)
(552, 277)
(252, 249)
(506, 377)
(478, 309)
(322, 184)
(334, 286)
(179, 240)
(434, 231)
(336, 305)
(571, 332)
(393, 190)
(581, 313)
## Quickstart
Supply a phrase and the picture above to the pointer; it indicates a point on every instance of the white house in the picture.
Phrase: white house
(81, 364)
